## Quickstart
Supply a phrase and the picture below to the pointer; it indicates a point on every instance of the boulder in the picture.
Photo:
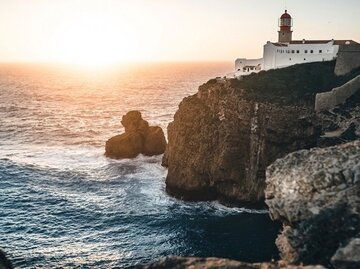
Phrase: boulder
(139, 138)
(316, 194)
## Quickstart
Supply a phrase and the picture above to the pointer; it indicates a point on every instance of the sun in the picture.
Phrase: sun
(96, 41)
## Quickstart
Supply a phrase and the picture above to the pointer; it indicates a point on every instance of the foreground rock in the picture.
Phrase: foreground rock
(5, 263)
(138, 138)
(214, 263)
(220, 143)
(316, 193)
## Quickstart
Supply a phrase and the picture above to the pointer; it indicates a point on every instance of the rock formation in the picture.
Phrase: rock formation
(223, 138)
(316, 193)
(138, 138)
(214, 263)
(220, 143)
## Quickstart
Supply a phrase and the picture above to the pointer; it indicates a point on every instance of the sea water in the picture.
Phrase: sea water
(63, 204)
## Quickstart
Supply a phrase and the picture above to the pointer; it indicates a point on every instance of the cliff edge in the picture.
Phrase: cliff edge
(223, 138)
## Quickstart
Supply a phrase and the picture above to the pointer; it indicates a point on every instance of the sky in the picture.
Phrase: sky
(110, 31)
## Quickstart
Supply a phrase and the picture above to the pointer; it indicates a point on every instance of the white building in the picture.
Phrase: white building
(288, 52)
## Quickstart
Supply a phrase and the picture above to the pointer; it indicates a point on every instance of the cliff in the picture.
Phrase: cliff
(223, 138)
(221, 143)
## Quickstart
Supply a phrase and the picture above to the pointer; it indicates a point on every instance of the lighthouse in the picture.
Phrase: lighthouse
(285, 24)
(286, 51)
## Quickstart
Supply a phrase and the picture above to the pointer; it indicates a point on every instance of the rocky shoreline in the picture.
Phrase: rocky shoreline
(316, 195)
(224, 137)
(215, 263)
(243, 147)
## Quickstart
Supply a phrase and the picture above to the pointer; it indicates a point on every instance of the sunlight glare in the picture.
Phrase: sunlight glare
(95, 41)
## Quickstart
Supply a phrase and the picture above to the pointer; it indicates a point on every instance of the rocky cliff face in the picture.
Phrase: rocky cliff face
(316, 193)
(220, 143)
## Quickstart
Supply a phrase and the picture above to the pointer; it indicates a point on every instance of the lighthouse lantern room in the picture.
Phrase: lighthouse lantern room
(285, 24)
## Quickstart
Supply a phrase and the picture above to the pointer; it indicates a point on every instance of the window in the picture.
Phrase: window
(320, 51)
(293, 51)
(311, 51)
(298, 51)
(304, 59)
(305, 51)
(289, 59)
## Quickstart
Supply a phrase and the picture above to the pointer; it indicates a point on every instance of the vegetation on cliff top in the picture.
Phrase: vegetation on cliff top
(297, 84)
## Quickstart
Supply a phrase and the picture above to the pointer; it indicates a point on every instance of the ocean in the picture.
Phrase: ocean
(63, 204)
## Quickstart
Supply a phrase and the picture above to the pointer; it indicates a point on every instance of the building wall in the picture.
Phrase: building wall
(328, 100)
(290, 54)
(348, 59)
(240, 63)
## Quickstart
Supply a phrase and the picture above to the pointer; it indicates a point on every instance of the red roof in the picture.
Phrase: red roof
(285, 15)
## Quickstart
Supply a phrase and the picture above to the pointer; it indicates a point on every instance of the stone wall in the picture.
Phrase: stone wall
(337, 96)
(348, 59)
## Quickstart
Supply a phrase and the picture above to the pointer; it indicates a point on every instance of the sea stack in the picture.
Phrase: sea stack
(139, 138)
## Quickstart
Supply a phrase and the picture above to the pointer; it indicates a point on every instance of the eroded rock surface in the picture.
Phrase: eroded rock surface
(138, 138)
(316, 193)
(214, 263)
(220, 143)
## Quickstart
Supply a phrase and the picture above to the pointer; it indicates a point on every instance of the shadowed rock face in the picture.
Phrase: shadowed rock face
(213, 263)
(5, 263)
(220, 143)
(138, 138)
(348, 257)
(316, 193)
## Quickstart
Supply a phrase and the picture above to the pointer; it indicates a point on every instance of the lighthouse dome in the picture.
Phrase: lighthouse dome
(285, 15)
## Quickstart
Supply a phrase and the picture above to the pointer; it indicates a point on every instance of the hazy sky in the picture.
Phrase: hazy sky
(104, 31)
